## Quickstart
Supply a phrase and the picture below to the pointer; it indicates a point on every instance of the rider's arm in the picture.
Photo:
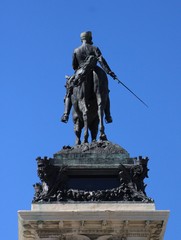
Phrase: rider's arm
(104, 64)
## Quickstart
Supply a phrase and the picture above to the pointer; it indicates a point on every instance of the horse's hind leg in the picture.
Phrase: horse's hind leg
(86, 133)
(94, 129)
(108, 117)
(77, 129)
(101, 104)
(103, 136)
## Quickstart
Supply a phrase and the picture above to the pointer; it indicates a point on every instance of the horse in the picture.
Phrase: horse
(85, 111)
(89, 101)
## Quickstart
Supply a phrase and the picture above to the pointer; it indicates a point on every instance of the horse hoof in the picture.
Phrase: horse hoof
(85, 148)
(78, 142)
(103, 137)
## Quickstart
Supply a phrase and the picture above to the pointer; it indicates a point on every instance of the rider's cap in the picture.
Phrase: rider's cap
(86, 36)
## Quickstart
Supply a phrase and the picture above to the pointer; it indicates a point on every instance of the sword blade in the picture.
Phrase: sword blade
(132, 92)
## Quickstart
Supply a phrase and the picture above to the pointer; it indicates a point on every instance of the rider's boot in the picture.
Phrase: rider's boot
(68, 105)
(108, 119)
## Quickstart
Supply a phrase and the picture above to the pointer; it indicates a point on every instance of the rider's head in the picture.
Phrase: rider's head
(86, 37)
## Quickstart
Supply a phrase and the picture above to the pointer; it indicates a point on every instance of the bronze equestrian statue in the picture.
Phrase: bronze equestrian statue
(87, 87)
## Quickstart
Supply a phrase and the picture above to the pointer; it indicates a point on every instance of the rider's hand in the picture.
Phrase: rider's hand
(113, 75)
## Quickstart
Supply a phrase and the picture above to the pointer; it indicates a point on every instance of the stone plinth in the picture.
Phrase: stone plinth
(92, 221)
(92, 192)
(93, 155)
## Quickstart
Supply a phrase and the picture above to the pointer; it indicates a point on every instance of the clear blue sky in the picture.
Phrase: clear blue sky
(141, 41)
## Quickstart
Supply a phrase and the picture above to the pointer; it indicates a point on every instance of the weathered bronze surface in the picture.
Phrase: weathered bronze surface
(87, 91)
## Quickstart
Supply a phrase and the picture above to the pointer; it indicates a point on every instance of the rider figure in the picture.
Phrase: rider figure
(79, 56)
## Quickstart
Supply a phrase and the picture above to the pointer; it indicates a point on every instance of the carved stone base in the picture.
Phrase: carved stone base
(100, 171)
(92, 221)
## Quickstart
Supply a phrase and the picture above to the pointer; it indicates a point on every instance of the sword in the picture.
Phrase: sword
(119, 82)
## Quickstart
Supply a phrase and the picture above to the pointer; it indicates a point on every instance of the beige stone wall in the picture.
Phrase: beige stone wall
(94, 221)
